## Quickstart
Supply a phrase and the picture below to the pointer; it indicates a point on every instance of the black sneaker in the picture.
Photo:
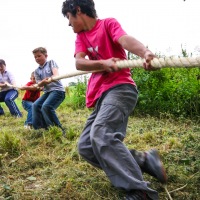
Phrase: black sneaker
(137, 195)
(153, 166)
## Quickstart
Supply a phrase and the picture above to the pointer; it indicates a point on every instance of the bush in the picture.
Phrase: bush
(174, 91)
(76, 94)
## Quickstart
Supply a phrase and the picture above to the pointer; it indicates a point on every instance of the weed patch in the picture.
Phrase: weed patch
(42, 164)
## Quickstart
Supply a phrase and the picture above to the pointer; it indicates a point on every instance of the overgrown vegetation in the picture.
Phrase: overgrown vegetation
(76, 93)
(41, 164)
(44, 165)
(169, 91)
(174, 91)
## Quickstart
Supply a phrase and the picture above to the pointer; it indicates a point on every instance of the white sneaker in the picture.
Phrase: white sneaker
(28, 127)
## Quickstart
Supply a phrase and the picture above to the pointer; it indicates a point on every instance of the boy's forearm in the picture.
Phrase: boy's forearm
(41, 83)
(88, 65)
(32, 88)
(133, 45)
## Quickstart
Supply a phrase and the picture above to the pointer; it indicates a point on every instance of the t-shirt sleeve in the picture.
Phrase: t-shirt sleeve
(79, 45)
(114, 29)
(53, 64)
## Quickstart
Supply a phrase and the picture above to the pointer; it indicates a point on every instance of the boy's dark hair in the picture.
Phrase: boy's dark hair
(87, 7)
(41, 50)
(2, 62)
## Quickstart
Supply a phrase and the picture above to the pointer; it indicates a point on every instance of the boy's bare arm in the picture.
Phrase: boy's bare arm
(32, 88)
(136, 47)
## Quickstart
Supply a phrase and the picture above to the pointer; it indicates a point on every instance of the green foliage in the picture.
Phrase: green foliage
(174, 91)
(169, 91)
(49, 166)
(76, 94)
(71, 133)
(9, 143)
(55, 132)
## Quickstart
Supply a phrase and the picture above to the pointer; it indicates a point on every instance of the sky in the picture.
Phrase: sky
(163, 25)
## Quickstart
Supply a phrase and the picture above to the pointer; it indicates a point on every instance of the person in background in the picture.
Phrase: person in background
(113, 94)
(43, 111)
(31, 94)
(8, 93)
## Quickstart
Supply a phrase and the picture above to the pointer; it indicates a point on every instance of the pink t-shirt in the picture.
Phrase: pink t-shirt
(102, 43)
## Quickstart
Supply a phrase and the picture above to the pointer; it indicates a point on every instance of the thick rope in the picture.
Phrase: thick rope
(158, 63)
(187, 62)
(168, 62)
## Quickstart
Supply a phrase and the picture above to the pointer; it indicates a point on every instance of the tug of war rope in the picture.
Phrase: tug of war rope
(157, 63)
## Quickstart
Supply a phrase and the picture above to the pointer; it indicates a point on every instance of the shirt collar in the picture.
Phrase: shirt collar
(42, 66)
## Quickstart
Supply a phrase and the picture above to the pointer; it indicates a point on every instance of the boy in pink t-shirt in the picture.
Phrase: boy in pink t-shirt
(113, 95)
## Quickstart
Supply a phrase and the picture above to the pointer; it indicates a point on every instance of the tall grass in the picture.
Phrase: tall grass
(41, 164)
(76, 93)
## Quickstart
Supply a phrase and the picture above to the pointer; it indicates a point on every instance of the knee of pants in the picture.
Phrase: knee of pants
(8, 100)
(85, 150)
(45, 108)
(106, 137)
(81, 148)
(87, 154)
(35, 106)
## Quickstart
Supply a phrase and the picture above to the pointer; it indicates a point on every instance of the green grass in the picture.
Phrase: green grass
(44, 165)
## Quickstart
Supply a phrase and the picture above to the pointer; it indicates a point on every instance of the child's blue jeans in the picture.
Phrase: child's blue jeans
(9, 97)
(43, 109)
(27, 105)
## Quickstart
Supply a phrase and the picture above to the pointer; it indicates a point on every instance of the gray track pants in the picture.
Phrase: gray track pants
(101, 142)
